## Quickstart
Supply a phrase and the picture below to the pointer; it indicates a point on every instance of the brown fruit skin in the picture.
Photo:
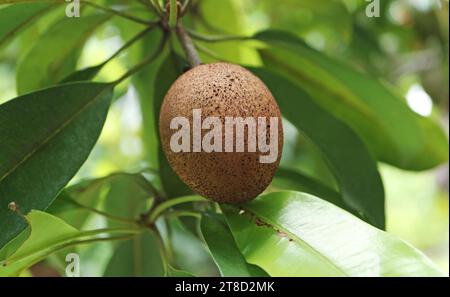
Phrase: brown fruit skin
(220, 90)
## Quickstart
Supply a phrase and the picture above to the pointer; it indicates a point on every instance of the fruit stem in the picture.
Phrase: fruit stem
(188, 45)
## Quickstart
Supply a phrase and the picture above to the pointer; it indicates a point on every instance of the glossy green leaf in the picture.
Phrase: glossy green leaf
(170, 70)
(123, 195)
(137, 257)
(128, 197)
(330, 20)
(288, 179)
(347, 156)
(223, 248)
(145, 82)
(395, 133)
(48, 235)
(85, 193)
(296, 234)
(14, 244)
(228, 21)
(46, 137)
(178, 273)
(188, 250)
(46, 232)
(14, 18)
(63, 40)
(83, 74)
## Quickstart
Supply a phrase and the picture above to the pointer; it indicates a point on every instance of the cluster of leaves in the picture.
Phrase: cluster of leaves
(303, 227)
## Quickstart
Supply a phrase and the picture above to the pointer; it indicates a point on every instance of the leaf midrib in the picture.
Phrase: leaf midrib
(54, 134)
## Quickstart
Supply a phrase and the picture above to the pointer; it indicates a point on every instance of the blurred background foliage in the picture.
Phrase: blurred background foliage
(407, 47)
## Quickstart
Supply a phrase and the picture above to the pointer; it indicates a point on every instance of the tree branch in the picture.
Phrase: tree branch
(143, 63)
(188, 45)
(117, 12)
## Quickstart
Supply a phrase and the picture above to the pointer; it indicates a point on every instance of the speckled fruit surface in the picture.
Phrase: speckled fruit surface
(221, 90)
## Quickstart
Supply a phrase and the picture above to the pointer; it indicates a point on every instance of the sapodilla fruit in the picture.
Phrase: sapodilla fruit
(221, 90)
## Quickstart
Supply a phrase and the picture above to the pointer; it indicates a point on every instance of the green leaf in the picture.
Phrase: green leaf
(48, 235)
(83, 74)
(288, 179)
(170, 70)
(46, 137)
(347, 156)
(178, 273)
(90, 72)
(14, 18)
(86, 193)
(128, 196)
(228, 21)
(145, 82)
(329, 19)
(14, 244)
(189, 252)
(47, 231)
(137, 257)
(223, 248)
(63, 40)
(392, 130)
(296, 234)
(123, 195)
